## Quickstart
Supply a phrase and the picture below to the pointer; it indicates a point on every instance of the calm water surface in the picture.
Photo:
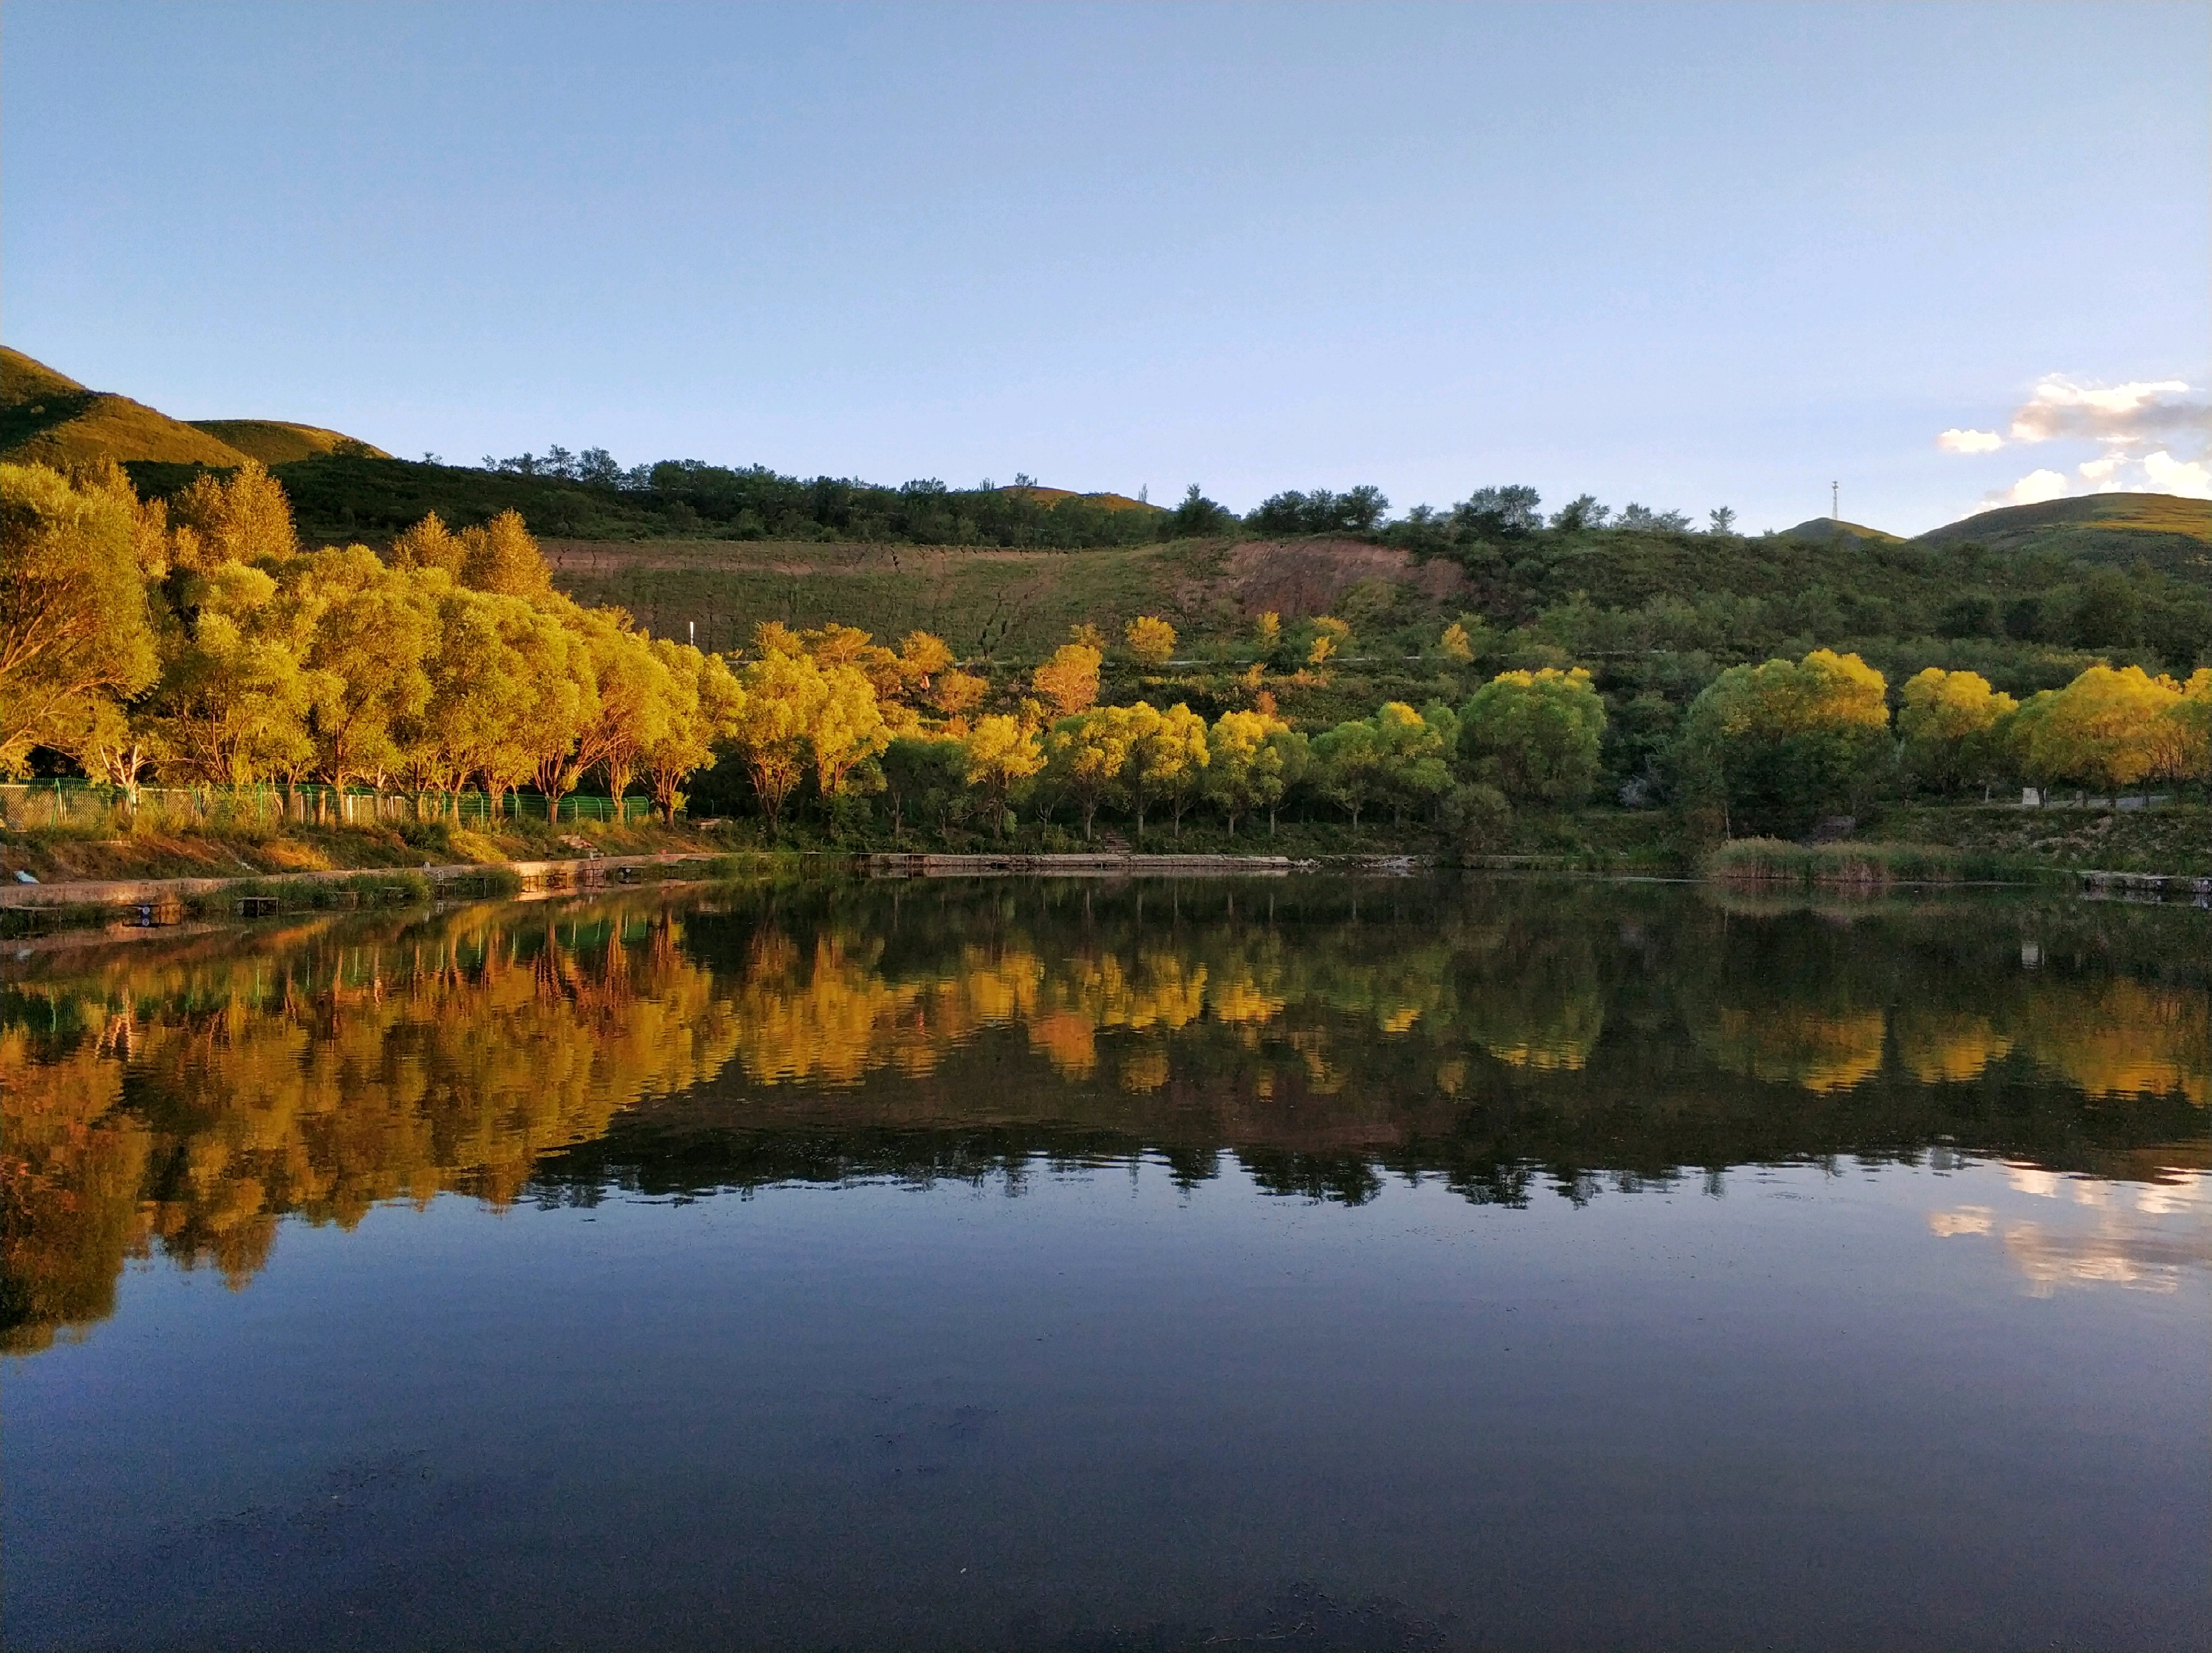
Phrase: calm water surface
(1389, 1264)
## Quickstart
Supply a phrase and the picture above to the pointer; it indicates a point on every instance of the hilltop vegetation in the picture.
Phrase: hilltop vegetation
(272, 441)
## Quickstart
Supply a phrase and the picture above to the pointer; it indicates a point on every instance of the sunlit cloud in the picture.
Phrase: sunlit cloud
(2034, 488)
(2124, 414)
(2155, 434)
(2167, 475)
(1969, 441)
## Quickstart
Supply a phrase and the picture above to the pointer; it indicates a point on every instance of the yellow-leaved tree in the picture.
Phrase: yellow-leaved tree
(1068, 682)
(1951, 725)
(1151, 641)
(1000, 754)
(76, 631)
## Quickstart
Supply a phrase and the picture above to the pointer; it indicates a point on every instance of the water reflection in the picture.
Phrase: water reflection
(182, 1097)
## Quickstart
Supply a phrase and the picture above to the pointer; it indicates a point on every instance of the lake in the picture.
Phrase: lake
(1304, 1262)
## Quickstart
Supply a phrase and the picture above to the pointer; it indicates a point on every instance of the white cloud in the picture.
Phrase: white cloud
(2108, 413)
(2034, 488)
(1969, 441)
(2164, 415)
(2167, 475)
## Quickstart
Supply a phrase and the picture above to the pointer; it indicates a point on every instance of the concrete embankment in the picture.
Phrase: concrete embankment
(1103, 864)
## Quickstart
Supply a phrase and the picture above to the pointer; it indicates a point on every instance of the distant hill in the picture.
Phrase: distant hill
(1051, 496)
(274, 442)
(47, 416)
(1820, 530)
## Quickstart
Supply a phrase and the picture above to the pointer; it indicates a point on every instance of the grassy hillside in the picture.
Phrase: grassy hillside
(2114, 529)
(49, 417)
(1014, 606)
(1820, 530)
(274, 442)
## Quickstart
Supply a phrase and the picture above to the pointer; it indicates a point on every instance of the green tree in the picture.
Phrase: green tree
(1243, 770)
(1778, 744)
(1535, 736)
(1348, 766)
(1415, 753)
(1088, 758)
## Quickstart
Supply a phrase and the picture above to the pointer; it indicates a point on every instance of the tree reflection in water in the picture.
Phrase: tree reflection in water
(184, 1096)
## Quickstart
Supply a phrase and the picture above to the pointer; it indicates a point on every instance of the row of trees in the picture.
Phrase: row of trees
(833, 708)
(1773, 743)
(195, 641)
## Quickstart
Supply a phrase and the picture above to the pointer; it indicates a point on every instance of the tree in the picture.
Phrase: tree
(1583, 512)
(1415, 753)
(998, 755)
(1720, 521)
(1293, 760)
(1951, 724)
(1777, 743)
(1243, 770)
(232, 703)
(780, 697)
(1535, 736)
(366, 628)
(1330, 635)
(1198, 516)
(501, 557)
(1151, 640)
(1170, 760)
(637, 698)
(1348, 766)
(2106, 728)
(848, 729)
(242, 518)
(74, 628)
(926, 775)
(1068, 682)
(956, 693)
(703, 701)
(1500, 513)
(1087, 757)
(1455, 645)
(427, 544)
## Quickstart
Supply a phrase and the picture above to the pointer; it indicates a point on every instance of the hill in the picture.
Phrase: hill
(1051, 496)
(2166, 531)
(48, 417)
(274, 442)
(1820, 530)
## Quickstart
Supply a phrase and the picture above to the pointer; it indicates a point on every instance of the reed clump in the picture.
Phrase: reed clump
(1863, 866)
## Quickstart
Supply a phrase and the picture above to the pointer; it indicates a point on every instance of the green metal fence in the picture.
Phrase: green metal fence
(68, 803)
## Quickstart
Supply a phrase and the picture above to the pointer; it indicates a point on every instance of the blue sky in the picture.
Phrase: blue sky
(1689, 255)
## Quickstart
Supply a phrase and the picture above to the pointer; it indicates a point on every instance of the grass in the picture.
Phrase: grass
(1016, 604)
(2172, 838)
(274, 442)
